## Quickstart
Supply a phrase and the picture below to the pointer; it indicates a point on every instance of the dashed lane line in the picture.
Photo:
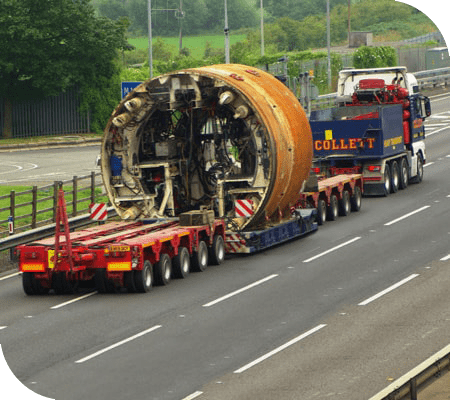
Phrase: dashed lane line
(388, 290)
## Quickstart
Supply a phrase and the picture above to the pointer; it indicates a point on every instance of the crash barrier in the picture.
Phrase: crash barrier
(408, 386)
(80, 194)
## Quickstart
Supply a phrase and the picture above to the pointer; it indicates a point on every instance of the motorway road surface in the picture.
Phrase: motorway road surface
(339, 314)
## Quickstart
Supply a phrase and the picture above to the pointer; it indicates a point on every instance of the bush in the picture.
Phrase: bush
(374, 57)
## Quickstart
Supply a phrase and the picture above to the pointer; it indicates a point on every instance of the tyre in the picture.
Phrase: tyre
(28, 283)
(321, 211)
(61, 284)
(333, 208)
(217, 250)
(404, 174)
(100, 280)
(163, 270)
(356, 199)
(128, 281)
(419, 177)
(143, 279)
(181, 263)
(344, 204)
(387, 180)
(395, 177)
(199, 259)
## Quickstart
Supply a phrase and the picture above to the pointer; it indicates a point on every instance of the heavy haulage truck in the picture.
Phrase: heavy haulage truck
(197, 163)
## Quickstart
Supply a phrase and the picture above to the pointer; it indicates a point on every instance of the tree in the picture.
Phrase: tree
(49, 46)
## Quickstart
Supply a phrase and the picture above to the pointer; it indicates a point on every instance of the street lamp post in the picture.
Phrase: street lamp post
(262, 29)
(328, 43)
(150, 47)
(227, 36)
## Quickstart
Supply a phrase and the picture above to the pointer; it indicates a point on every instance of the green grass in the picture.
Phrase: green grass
(196, 44)
(47, 202)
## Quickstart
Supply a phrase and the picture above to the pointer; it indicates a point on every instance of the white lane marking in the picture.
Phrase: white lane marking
(82, 360)
(439, 130)
(406, 215)
(18, 166)
(428, 164)
(278, 349)
(252, 285)
(332, 249)
(446, 258)
(10, 276)
(193, 395)
(389, 289)
(73, 301)
(3, 327)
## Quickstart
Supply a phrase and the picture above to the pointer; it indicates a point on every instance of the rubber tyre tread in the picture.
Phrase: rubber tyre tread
(178, 261)
(356, 199)
(141, 278)
(321, 211)
(217, 250)
(395, 177)
(344, 204)
(387, 181)
(333, 208)
(199, 260)
(161, 274)
(404, 174)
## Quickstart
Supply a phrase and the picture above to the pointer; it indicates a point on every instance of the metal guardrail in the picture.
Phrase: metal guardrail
(406, 387)
(426, 79)
(46, 231)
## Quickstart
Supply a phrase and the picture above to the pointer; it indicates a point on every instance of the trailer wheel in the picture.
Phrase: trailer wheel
(143, 279)
(395, 177)
(31, 285)
(181, 263)
(333, 208)
(199, 260)
(321, 211)
(404, 174)
(418, 178)
(61, 284)
(128, 281)
(163, 270)
(217, 250)
(355, 200)
(344, 204)
(387, 180)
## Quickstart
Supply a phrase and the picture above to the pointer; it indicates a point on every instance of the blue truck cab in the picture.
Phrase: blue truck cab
(376, 129)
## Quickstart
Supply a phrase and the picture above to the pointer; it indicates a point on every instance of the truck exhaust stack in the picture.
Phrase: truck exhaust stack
(207, 138)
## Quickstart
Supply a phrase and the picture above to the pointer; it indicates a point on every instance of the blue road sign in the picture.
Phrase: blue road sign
(127, 87)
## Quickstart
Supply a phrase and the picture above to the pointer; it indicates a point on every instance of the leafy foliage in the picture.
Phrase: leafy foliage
(49, 46)
(373, 57)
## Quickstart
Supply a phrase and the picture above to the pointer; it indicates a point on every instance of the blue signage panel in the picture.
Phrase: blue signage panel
(127, 87)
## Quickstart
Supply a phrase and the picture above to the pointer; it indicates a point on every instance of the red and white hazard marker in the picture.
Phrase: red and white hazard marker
(243, 208)
(99, 212)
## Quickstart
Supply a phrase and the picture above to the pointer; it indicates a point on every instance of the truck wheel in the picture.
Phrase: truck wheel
(217, 250)
(61, 284)
(333, 208)
(419, 177)
(404, 175)
(143, 279)
(395, 177)
(128, 281)
(387, 180)
(31, 285)
(321, 211)
(355, 200)
(181, 263)
(163, 270)
(344, 204)
(199, 260)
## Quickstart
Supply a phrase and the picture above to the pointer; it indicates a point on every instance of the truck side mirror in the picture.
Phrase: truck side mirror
(427, 106)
